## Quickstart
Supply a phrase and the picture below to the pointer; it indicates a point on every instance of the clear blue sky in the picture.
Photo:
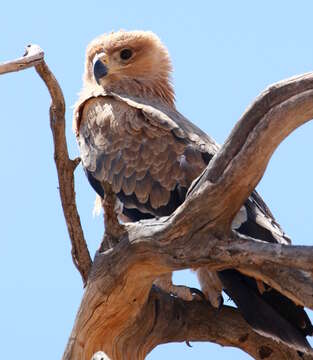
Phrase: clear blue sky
(224, 53)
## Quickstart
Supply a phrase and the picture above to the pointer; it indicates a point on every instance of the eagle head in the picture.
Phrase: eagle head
(130, 62)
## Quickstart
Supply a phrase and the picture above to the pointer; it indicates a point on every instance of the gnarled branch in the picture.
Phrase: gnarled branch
(34, 56)
(240, 164)
(65, 169)
(119, 312)
(198, 233)
(197, 321)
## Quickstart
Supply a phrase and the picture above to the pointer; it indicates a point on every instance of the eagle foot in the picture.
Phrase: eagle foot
(181, 291)
(186, 293)
(197, 294)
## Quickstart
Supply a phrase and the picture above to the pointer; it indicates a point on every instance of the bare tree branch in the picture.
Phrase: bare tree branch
(119, 313)
(240, 164)
(175, 320)
(145, 245)
(197, 233)
(34, 56)
(163, 319)
(65, 168)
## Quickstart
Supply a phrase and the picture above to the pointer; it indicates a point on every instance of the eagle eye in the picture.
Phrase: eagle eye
(126, 54)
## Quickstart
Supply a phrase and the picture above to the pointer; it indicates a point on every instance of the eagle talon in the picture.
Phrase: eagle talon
(196, 292)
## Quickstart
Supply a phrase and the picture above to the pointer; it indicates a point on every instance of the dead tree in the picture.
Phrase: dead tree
(122, 314)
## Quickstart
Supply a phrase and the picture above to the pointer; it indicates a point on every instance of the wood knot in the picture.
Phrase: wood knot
(265, 352)
(243, 338)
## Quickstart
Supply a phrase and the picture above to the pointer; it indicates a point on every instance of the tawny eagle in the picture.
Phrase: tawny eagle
(131, 135)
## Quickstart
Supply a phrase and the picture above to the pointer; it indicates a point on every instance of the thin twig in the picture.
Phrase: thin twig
(65, 168)
(34, 56)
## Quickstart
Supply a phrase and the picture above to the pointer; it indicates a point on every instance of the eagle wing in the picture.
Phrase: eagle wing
(150, 155)
(149, 159)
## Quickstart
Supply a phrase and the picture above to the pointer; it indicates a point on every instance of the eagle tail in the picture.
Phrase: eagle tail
(270, 314)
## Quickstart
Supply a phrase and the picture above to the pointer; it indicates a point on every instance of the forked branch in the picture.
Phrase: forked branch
(119, 313)
(198, 233)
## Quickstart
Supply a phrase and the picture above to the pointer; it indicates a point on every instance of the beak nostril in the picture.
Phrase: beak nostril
(100, 70)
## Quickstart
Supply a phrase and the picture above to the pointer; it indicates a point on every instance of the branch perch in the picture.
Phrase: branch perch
(196, 321)
(198, 233)
(278, 111)
(120, 314)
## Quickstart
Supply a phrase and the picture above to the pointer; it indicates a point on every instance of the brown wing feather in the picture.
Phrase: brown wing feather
(123, 139)
(138, 154)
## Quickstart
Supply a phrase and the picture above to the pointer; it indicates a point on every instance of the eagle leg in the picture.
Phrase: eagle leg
(181, 291)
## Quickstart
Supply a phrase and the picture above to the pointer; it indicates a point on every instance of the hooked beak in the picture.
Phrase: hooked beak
(99, 70)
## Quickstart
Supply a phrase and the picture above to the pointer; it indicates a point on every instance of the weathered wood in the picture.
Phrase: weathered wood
(65, 169)
(164, 318)
(197, 321)
(271, 118)
(120, 314)
(198, 233)
(33, 56)
(114, 230)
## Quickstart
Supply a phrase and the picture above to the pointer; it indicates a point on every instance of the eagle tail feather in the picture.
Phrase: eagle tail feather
(262, 316)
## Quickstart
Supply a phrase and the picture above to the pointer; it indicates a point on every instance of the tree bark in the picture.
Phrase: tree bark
(122, 313)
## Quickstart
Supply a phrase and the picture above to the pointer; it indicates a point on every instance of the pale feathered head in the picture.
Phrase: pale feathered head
(135, 63)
